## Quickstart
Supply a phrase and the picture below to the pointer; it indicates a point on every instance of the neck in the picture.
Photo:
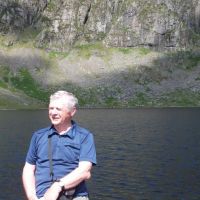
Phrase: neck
(61, 129)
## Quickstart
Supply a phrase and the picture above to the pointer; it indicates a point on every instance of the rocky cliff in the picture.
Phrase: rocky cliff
(61, 24)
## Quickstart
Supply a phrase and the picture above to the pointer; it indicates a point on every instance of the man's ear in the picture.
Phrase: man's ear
(73, 111)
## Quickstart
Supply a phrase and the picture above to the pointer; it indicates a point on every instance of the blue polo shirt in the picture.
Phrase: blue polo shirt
(67, 151)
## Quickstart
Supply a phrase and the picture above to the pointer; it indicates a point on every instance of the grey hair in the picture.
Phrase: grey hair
(70, 99)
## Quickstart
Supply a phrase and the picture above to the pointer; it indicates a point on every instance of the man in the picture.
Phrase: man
(60, 157)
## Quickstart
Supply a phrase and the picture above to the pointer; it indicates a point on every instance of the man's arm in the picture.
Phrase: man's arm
(81, 173)
(28, 179)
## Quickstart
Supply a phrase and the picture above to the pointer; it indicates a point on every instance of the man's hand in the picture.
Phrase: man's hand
(53, 192)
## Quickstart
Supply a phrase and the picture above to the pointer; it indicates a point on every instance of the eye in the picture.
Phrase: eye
(50, 108)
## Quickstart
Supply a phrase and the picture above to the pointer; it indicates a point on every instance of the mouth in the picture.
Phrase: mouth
(55, 118)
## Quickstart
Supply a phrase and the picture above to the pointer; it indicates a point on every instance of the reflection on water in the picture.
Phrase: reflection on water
(143, 154)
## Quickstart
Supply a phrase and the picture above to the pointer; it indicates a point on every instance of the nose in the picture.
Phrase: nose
(53, 111)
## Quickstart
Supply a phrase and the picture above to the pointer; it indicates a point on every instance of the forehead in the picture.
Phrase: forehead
(61, 102)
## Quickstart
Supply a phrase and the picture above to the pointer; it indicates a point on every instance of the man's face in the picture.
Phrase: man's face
(58, 112)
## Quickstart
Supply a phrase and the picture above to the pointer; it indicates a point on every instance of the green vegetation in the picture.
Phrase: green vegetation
(86, 95)
(31, 49)
(143, 51)
(186, 60)
(178, 98)
(4, 76)
(3, 84)
(28, 35)
(106, 95)
(87, 50)
(95, 96)
(112, 102)
(98, 49)
(9, 104)
(51, 5)
(125, 50)
(140, 99)
(56, 54)
(25, 82)
(25, 38)
(184, 98)
(146, 11)
(22, 81)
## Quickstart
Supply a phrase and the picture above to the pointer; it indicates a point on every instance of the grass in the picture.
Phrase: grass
(3, 84)
(112, 102)
(86, 96)
(183, 98)
(140, 99)
(4, 76)
(87, 50)
(24, 81)
(139, 51)
(186, 60)
(51, 5)
(92, 97)
(29, 34)
(95, 96)
(56, 54)
(125, 50)
(9, 103)
(98, 49)
(143, 51)
(177, 98)
(102, 96)
(25, 38)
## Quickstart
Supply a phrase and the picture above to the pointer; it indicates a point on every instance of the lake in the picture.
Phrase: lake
(143, 154)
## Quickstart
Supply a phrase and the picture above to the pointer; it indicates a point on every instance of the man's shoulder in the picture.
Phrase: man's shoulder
(83, 135)
(42, 131)
(82, 131)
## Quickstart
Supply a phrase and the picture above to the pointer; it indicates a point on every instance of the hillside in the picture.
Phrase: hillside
(99, 76)
(121, 53)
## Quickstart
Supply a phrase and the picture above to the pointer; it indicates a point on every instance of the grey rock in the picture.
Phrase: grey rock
(161, 24)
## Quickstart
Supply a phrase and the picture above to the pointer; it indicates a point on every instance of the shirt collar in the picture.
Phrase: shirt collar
(70, 133)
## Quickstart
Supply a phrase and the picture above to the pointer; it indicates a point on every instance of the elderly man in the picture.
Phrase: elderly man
(61, 156)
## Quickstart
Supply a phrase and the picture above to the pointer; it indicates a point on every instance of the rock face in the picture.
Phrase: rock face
(61, 24)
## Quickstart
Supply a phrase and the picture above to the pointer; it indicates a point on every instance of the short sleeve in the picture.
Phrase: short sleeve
(32, 155)
(88, 150)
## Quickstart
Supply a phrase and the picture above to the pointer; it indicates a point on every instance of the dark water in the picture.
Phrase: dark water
(143, 154)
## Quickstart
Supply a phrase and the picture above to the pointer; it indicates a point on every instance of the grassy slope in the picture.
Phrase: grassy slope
(100, 77)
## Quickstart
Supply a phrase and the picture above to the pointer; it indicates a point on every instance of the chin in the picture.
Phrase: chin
(55, 122)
